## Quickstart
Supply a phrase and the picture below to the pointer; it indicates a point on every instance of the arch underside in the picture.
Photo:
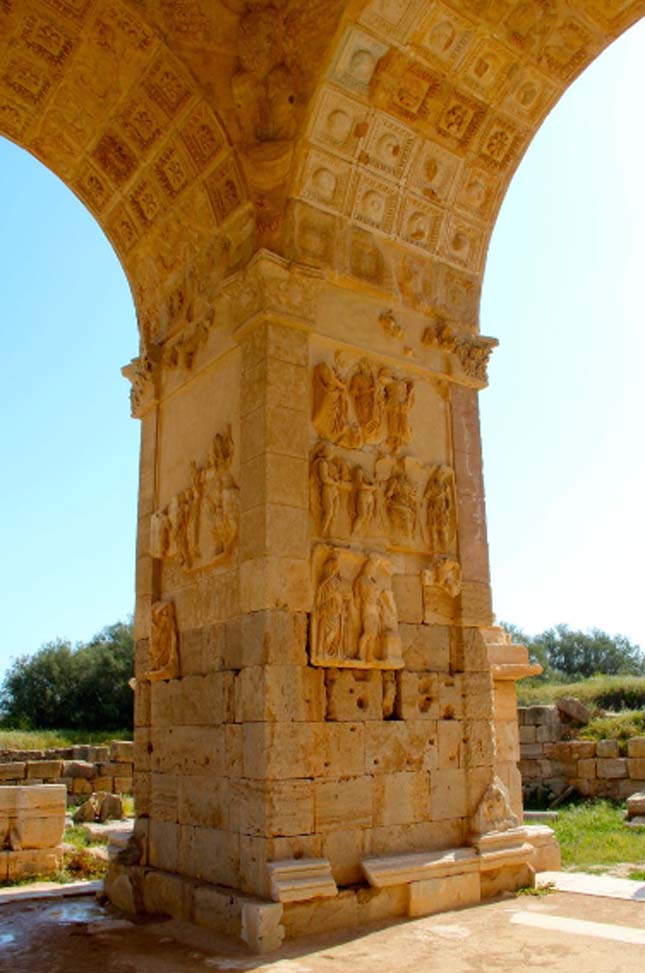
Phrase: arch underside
(373, 139)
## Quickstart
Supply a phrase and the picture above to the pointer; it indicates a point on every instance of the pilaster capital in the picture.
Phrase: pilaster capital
(271, 287)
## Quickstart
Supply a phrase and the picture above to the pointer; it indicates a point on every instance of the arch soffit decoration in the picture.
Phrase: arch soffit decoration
(375, 139)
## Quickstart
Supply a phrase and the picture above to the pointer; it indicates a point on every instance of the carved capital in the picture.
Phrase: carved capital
(270, 286)
(471, 352)
(142, 373)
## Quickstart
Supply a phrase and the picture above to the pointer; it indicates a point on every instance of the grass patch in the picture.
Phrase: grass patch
(637, 874)
(614, 693)
(620, 726)
(79, 836)
(55, 739)
(593, 837)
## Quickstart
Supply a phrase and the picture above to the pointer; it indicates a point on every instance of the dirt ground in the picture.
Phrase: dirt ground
(80, 936)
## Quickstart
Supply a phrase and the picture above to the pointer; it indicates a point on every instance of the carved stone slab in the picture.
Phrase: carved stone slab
(355, 621)
(415, 867)
(294, 880)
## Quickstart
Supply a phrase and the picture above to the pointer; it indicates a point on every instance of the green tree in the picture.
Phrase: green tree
(565, 652)
(84, 687)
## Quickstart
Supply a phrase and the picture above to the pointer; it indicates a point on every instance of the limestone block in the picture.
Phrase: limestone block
(442, 894)
(418, 697)
(395, 746)
(30, 863)
(636, 804)
(636, 767)
(279, 694)
(473, 654)
(607, 749)
(419, 867)
(421, 836)
(104, 783)
(163, 845)
(547, 733)
(505, 701)
(321, 915)
(44, 768)
(425, 647)
(297, 880)
(118, 888)
(202, 651)
(165, 894)
(256, 853)
(636, 747)
(267, 638)
(577, 750)
(13, 771)
(189, 750)
(450, 740)
(354, 694)
(163, 796)
(611, 768)
(277, 751)
(476, 607)
(344, 850)
(339, 749)
(344, 803)
(32, 817)
(541, 715)
(547, 856)
(271, 807)
(83, 769)
(200, 700)
(275, 429)
(478, 695)
(447, 794)
(573, 710)
(262, 930)
(401, 798)
(123, 785)
(587, 768)
(508, 878)
(272, 478)
(451, 696)
(479, 743)
(277, 529)
(209, 854)
(506, 740)
(408, 594)
(531, 751)
(275, 583)
(121, 751)
(204, 800)
(215, 908)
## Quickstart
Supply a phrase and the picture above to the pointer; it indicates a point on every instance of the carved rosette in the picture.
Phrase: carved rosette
(355, 622)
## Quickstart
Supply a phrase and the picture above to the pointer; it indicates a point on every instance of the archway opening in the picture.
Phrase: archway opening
(562, 419)
(70, 447)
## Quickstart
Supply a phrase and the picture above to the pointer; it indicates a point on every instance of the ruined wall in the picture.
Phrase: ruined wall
(82, 769)
(551, 762)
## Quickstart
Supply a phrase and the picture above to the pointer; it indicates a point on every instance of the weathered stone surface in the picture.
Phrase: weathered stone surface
(443, 894)
(636, 804)
(573, 710)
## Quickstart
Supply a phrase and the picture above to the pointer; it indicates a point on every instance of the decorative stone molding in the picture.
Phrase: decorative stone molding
(270, 285)
(418, 866)
(295, 880)
(471, 351)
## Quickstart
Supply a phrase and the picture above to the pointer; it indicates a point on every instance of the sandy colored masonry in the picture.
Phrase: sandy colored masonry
(301, 193)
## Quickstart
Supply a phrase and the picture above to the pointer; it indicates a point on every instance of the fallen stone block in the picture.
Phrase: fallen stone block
(636, 804)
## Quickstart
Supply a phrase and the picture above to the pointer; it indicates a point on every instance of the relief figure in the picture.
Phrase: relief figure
(440, 499)
(401, 502)
(366, 392)
(399, 399)
(333, 607)
(330, 415)
(364, 496)
(164, 654)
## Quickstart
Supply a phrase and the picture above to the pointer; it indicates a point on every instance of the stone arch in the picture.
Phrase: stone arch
(95, 92)
(416, 130)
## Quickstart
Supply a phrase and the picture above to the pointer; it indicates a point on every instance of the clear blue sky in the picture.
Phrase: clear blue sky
(562, 420)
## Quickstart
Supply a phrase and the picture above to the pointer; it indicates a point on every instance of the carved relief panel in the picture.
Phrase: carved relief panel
(199, 525)
(164, 651)
(355, 621)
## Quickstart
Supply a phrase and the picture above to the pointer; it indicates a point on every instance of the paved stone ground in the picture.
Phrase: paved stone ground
(559, 932)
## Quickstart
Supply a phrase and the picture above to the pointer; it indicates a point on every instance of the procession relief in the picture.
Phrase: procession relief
(367, 494)
(355, 622)
(199, 525)
(376, 495)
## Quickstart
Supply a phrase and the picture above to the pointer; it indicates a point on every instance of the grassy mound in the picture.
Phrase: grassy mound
(615, 693)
